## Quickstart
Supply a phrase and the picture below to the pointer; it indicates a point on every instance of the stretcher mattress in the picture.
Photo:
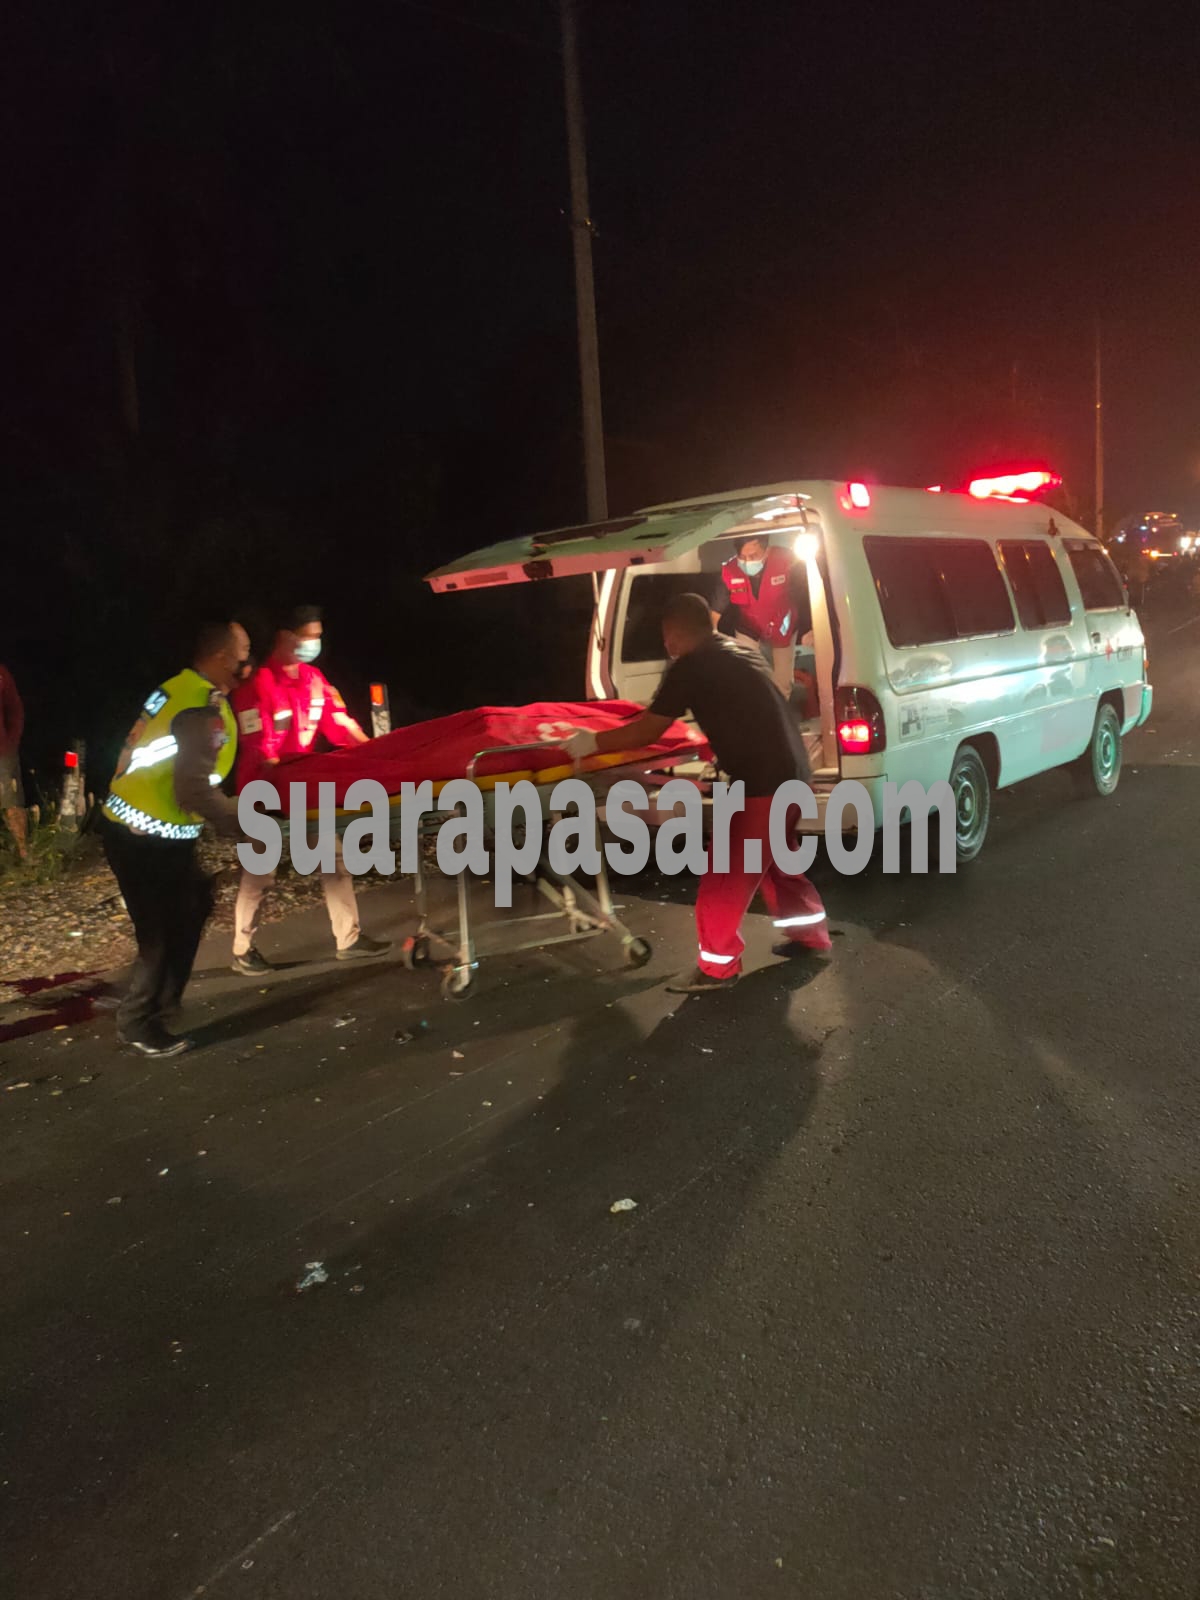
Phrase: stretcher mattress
(444, 748)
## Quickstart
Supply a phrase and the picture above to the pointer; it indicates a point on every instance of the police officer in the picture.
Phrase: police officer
(762, 600)
(165, 788)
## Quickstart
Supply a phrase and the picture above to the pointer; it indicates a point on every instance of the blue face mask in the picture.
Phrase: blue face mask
(752, 568)
(308, 650)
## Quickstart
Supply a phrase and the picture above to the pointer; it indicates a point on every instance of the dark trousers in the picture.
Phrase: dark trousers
(169, 900)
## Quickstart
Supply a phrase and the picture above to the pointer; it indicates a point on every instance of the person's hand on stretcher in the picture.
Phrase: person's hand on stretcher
(640, 734)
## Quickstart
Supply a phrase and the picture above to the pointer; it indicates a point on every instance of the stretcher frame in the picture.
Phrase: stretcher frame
(585, 912)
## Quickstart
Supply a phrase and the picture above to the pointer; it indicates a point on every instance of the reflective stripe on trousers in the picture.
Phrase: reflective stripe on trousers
(724, 897)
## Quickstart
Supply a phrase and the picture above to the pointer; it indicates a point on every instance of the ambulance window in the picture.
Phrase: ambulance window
(1099, 584)
(976, 590)
(648, 594)
(1037, 584)
(934, 590)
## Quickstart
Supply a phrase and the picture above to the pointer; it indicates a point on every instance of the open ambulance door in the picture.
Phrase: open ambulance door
(645, 538)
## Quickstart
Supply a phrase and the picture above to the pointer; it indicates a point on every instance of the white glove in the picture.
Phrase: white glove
(579, 744)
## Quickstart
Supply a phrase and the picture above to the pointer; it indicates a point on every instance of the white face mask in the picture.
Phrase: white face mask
(308, 650)
(752, 568)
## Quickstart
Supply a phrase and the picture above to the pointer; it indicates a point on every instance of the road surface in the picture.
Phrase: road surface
(907, 1306)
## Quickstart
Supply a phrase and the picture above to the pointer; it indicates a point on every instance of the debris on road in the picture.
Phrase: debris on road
(622, 1205)
(314, 1274)
(9, 1087)
(344, 1022)
(114, 1200)
(458, 1055)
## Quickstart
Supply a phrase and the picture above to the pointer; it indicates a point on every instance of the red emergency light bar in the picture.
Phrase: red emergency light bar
(1020, 487)
(377, 696)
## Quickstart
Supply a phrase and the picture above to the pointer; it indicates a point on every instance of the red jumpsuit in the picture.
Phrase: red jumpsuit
(770, 613)
(281, 710)
(279, 714)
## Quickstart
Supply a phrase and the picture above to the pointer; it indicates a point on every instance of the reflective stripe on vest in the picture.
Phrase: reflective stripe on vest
(142, 794)
(121, 811)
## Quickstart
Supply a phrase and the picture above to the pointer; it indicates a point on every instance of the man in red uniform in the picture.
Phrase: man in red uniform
(755, 738)
(763, 600)
(281, 712)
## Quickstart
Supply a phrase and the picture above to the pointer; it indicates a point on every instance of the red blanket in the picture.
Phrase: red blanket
(441, 749)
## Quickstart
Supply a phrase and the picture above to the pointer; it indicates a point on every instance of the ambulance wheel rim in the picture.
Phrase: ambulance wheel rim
(1108, 752)
(972, 803)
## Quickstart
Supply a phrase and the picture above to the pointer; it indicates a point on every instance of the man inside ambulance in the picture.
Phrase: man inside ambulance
(762, 600)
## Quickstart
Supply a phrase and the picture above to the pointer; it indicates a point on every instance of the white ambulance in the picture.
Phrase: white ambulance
(979, 640)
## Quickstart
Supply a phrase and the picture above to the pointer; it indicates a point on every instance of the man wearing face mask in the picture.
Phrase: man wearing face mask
(281, 712)
(762, 600)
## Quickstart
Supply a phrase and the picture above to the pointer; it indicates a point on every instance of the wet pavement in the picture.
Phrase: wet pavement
(906, 1304)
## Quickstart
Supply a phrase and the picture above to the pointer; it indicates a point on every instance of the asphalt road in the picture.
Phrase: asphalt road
(907, 1307)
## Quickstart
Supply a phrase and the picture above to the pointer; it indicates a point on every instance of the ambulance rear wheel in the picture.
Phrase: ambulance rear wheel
(972, 792)
(638, 952)
(1098, 770)
(458, 983)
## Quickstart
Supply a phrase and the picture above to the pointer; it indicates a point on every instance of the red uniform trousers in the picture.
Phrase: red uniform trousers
(724, 897)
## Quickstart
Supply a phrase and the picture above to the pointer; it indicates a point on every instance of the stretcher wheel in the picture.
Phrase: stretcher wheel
(458, 983)
(414, 952)
(638, 952)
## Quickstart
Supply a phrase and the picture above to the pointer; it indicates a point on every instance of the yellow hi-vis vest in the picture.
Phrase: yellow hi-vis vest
(142, 795)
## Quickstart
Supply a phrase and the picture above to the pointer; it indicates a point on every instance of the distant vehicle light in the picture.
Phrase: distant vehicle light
(71, 760)
(1016, 486)
(806, 546)
(934, 488)
(1186, 542)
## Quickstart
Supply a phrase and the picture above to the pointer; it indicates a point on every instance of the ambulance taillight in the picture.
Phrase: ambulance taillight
(858, 718)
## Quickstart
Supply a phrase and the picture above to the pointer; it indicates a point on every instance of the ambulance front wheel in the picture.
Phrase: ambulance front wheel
(458, 983)
(638, 952)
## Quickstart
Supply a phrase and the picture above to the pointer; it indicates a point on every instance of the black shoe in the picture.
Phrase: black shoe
(791, 950)
(363, 947)
(158, 1045)
(253, 964)
(698, 982)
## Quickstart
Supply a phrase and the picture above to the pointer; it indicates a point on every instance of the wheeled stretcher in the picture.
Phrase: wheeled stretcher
(410, 756)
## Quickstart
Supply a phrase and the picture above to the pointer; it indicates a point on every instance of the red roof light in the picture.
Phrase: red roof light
(1017, 486)
(855, 497)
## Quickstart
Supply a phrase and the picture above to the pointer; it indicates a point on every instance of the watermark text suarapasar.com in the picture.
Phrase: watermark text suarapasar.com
(505, 833)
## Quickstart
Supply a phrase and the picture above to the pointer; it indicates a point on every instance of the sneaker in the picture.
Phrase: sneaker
(792, 950)
(698, 982)
(363, 947)
(253, 964)
(158, 1045)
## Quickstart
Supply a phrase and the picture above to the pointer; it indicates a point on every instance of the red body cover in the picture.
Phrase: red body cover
(441, 749)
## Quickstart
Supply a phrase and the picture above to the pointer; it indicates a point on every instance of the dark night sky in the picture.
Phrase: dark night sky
(841, 240)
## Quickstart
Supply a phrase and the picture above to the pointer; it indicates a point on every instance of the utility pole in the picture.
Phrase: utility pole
(1099, 443)
(585, 288)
